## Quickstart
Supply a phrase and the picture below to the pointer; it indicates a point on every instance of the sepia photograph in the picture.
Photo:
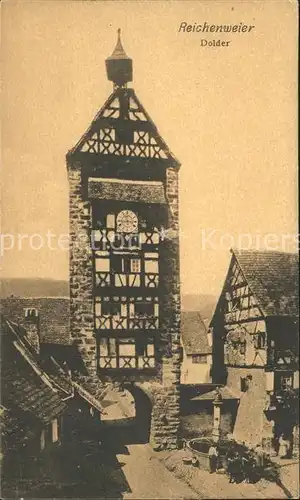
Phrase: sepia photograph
(149, 250)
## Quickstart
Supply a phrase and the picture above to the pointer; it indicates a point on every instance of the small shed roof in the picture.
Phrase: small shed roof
(225, 392)
(129, 190)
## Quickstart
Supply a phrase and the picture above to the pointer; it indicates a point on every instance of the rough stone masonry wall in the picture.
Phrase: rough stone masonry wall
(165, 423)
(81, 275)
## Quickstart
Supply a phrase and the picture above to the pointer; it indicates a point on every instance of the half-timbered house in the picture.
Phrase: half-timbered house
(196, 349)
(42, 406)
(255, 343)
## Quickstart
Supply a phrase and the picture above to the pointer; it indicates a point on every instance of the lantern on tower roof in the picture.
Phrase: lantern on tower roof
(119, 65)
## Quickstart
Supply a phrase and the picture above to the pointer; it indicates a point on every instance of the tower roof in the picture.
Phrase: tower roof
(119, 65)
(119, 52)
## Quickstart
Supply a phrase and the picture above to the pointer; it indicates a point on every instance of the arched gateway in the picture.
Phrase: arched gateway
(124, 251)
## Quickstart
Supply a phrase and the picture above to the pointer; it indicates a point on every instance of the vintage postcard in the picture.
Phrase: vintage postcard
(149, 249)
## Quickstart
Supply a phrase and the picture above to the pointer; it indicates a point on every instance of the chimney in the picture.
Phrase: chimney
(32, 327)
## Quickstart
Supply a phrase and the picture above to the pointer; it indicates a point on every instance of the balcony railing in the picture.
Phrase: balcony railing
(127, 362)
(109, 279)
(119, 323)
(106, 239)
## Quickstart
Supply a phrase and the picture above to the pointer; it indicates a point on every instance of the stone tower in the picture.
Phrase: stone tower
(124, 252)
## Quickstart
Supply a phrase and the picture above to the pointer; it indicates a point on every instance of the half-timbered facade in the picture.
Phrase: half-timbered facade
(255, 342)
(124, 255)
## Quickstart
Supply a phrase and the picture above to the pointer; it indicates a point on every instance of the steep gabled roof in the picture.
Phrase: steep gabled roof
(273, 278)
(194, 333)
(25, 387)
(101, 138)
(54, 313)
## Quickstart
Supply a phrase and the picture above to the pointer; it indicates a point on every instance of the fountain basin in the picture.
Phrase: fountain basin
(199, 448)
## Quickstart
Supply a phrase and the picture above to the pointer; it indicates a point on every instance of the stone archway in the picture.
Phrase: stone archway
(143, 413)
(128, 414)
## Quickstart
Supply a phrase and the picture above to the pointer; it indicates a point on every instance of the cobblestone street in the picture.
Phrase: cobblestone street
(148, 477)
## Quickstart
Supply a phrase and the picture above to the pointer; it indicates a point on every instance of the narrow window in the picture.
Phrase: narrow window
(260, 340)
(54, 430)
(117, 263)
(126, 265)
(244, 384)
(112, 347)
(98, 308)
(135, 265)
(150, 350)
(43, 439)
(110, 221)
(242, 348)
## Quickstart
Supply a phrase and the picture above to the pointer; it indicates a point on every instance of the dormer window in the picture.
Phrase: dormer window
(30, 313)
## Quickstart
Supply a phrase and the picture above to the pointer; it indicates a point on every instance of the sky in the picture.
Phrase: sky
(229, 115)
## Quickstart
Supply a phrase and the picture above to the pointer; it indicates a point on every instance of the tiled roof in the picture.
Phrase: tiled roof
(53, 311)
(16, 427)
(194, 333)
(57, 376)
(135, 191)
(273, 278)
(24, 385)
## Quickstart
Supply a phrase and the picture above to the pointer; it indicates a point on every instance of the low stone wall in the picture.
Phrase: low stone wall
(200, 423)
(197, 416)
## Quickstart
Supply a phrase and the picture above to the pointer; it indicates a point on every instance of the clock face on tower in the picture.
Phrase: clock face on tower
(127, 222)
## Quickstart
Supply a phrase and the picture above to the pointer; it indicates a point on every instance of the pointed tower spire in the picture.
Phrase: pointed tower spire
(119, 52)
(119, 65)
